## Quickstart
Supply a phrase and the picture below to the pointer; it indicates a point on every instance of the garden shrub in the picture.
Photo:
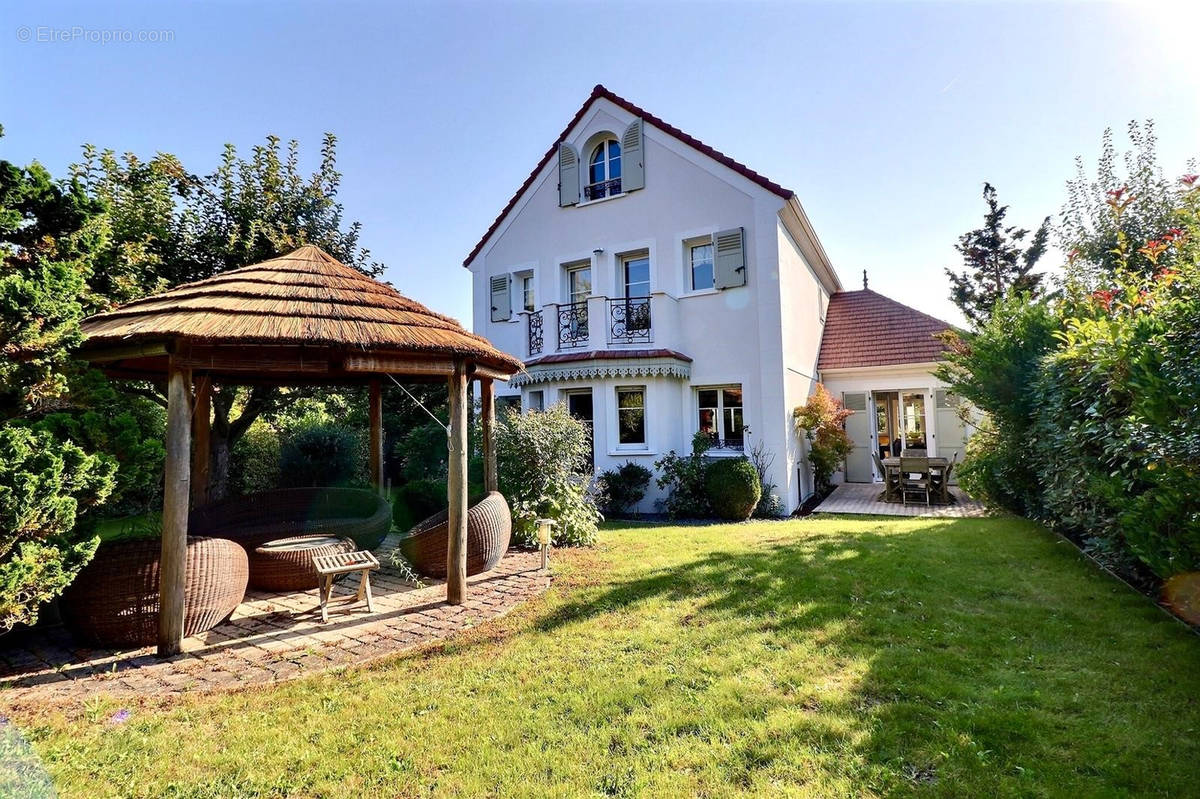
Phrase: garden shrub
(46, 487)
(1116, 401)
(322, 455)
(127, 428)
(683, 480)
(542, 458)
(254, 465)
(733, 488)
(996, 369)
(1091, 403)
(624, 487)
(421, 452)
(417, 500)
(822, 422)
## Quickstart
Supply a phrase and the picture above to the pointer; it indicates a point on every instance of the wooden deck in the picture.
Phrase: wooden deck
(864, 498)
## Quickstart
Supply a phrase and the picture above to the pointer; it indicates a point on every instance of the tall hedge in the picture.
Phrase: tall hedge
(1092, 402)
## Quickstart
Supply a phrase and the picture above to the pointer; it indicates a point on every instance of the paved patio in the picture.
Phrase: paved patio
(864, 498)
(269, 638)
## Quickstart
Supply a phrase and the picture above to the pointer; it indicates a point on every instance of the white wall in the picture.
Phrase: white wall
(804, 301)
(763, 336)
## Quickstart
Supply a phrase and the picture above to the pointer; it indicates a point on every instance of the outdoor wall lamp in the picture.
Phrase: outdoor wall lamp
(544, 527)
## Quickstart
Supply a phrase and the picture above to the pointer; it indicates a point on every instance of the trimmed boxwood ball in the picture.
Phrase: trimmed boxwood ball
(733, 488)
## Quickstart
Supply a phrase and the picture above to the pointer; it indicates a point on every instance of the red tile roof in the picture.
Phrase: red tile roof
(601, 92)
(606, 355)
(863, 328)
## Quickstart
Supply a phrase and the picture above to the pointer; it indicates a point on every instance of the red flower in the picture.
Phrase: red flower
(1189, 180)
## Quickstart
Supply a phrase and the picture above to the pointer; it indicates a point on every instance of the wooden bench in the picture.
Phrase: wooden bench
(330, 567)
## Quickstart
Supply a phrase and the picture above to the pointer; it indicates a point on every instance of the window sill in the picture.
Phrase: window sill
(618, 453)
(585, 203)
(701, 293)
(725, 452)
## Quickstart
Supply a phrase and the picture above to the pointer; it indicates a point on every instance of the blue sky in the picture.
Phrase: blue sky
(884, 118)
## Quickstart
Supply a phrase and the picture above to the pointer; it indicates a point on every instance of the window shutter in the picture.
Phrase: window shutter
(855, 402)
(730, 259)
(568, 175)
(501, 299)
(633, 155)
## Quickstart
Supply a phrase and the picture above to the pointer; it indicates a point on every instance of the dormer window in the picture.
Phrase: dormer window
(604, 171)
(606, 165)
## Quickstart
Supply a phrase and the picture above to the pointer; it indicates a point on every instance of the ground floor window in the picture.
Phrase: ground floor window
(719, 413)
(631, 416)
(537, 400)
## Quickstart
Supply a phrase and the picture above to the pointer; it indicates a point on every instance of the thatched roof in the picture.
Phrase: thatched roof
(302, 304)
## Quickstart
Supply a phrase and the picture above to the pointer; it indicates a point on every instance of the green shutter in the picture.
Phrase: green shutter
(568, 175)
(730, 258)
(633, 158)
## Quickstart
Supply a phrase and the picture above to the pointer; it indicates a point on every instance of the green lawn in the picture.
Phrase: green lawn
(831, 657)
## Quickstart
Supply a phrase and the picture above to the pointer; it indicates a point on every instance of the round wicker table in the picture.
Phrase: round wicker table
(286, 564)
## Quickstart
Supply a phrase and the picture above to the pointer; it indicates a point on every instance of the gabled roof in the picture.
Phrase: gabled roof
(863, 328)
(599, 92)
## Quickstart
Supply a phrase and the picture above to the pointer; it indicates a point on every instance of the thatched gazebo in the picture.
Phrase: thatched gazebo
(300, 319)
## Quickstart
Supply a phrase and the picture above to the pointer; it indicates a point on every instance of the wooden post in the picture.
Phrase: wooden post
(173, 566)
(201, 429)
(487, 401)
(456, 488)
(376, 414)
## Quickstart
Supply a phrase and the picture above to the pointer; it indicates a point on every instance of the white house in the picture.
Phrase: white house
(660, 288)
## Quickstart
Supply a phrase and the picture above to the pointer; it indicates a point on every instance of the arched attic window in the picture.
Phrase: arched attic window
(604, 170)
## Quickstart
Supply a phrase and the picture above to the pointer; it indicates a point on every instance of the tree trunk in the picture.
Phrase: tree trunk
(219, 449)
(225, 433)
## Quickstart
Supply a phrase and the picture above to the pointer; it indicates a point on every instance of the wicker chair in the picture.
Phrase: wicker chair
(114, 600)
(253, 520)
(489, 527)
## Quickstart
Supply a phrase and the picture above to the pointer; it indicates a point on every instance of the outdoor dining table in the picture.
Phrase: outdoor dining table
(893, 465)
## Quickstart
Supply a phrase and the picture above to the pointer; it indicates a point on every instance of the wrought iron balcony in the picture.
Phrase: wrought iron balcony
(536, 335)
(629, 320)
(605, 188)
(572, 325)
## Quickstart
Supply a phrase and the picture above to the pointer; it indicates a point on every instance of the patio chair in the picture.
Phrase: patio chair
(891, 479)
(941, 480)
(915, 478)
(489, 527)
(114, 600)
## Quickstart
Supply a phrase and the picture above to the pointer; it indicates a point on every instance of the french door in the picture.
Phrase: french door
(579, 405)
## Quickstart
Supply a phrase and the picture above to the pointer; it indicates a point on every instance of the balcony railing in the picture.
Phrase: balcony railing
(536, 334)
(629, 320)
(572, 326)
(605, 188)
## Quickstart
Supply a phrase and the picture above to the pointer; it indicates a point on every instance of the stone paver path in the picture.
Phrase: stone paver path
(864, 498)
(270, 637)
